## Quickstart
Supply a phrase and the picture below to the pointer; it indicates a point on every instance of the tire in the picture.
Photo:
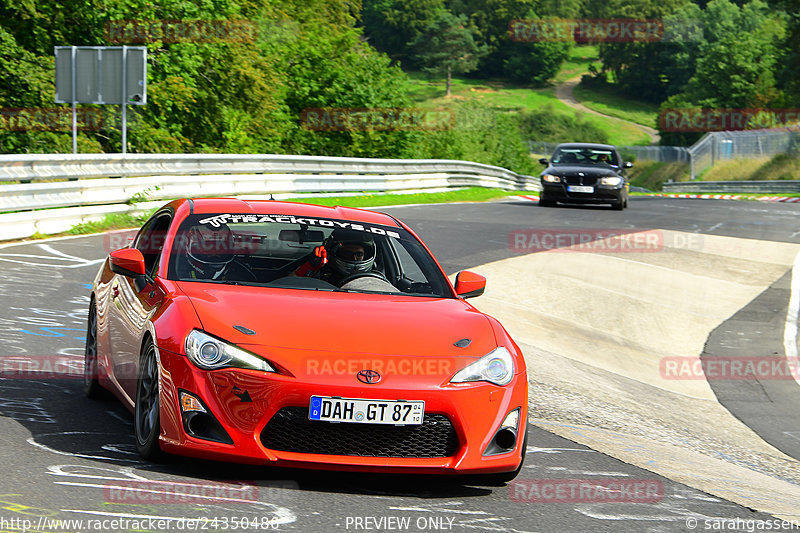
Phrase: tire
(546, 203)
(618, 206)
(626, 202)
(146, 418)
(91, 386)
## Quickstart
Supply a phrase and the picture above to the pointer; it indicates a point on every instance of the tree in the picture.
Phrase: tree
(447, 46)
(389, 25)
(736, 64)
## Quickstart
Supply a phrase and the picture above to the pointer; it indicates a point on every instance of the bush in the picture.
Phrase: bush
(548, 125)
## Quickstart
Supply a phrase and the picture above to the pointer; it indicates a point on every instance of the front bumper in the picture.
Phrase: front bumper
(602, 194)
(474, 410)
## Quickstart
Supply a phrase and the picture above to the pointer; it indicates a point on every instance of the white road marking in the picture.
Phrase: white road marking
(533, 449)
(281, 515)
(795, 434)
(792, 314)
(32, 442)
(68, 261)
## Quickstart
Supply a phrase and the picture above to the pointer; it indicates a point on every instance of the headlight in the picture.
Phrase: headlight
(211, 353)
(551, 179)
(611, 180)
(495, 367)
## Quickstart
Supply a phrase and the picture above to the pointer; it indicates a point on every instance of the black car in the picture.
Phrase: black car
(583, 173)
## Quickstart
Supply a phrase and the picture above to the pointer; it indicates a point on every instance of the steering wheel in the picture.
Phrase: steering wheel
(357, 275)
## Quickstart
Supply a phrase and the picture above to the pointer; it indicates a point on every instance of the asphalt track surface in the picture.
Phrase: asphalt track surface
(63, 454)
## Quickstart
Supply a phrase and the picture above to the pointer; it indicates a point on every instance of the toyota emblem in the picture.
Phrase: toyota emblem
(368, 376)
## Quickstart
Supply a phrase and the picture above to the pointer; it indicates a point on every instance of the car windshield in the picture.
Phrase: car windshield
(585, 157)
(298, 252)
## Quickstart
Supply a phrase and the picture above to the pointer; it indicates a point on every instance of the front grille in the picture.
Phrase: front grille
(574, 179)
(290, 430)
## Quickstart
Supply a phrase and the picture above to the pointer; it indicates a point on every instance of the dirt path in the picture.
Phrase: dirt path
(565, 93)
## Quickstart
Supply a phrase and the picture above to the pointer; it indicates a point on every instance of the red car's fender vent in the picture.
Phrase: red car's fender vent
(290, 430)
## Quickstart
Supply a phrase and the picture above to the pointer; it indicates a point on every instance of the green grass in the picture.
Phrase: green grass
(111, 221)
(608, 102)
(652, 175)
(509, 96)
(580, 58)
(779, 167)
(472, 194)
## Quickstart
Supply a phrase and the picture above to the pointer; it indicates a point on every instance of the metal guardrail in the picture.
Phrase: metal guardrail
(761, 187)
(52, 193)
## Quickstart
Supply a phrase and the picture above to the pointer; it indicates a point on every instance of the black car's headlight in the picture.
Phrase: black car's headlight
(211, 353)
(495, 367)
(612, 181)
(550, 178)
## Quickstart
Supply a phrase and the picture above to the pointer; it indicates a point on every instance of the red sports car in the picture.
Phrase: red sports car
(303, 336)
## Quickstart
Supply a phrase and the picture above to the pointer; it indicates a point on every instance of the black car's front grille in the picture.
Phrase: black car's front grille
(574, 179)
(290, 430)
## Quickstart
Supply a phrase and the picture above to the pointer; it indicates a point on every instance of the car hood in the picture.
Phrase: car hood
(346, 323)
(570, 170)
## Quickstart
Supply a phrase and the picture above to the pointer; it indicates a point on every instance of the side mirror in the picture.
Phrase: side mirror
(544, 161)
(469, 284)
(127, 262)
(627, 164)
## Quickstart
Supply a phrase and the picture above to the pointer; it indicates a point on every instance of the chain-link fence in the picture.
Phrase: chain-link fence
(709, 150)
(723, 145)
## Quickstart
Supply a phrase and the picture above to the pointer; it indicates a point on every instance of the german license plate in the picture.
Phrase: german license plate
(580, 188)
(328, 409)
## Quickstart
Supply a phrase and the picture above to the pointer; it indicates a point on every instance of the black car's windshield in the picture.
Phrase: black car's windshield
(297, 252)
(585, 157)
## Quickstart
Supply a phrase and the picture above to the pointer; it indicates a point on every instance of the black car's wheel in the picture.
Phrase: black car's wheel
(147, 423)
(626, 202)
(618, 206)
(91, 386)
(544, 202)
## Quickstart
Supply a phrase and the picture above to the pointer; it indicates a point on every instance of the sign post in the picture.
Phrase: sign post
(115, 75)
